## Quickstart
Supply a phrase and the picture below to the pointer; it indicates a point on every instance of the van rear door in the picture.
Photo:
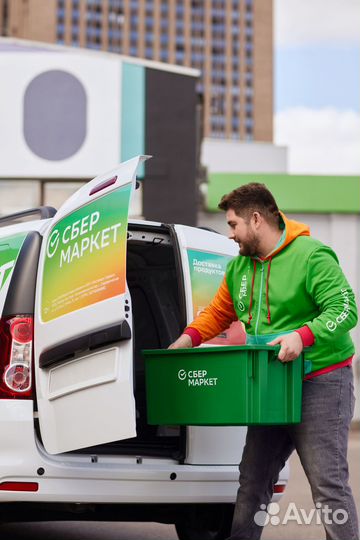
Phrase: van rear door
(83, 333)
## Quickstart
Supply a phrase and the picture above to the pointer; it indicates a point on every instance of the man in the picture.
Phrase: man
(288, 289)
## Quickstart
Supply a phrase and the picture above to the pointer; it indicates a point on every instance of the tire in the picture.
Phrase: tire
(208, 522)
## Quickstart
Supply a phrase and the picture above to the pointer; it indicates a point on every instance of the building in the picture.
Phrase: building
(229, 41)
(67, 115)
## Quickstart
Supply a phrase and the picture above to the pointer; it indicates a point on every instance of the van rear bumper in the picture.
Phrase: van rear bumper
(76, 478)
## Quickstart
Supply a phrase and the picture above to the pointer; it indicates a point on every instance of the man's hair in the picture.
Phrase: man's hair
(253, 197)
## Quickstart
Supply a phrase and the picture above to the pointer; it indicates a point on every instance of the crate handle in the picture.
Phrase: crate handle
(275, 353)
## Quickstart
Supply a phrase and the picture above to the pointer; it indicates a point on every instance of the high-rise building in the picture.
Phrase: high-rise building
(229, 41)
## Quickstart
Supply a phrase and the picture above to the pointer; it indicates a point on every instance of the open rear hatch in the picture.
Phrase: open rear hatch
(83, 331)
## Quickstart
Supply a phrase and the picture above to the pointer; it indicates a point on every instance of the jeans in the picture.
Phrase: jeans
(321, 443)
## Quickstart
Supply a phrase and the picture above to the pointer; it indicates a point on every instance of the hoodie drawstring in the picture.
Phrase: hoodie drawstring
(252, 293)
(267, 292)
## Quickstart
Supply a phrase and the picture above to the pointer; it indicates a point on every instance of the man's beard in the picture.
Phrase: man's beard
(250, 247)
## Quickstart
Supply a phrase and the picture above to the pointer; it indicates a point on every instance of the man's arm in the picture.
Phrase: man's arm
(215, 318)
(335, 299)
(333, 295)
(183, 342)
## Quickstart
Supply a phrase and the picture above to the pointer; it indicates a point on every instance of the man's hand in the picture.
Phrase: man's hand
(291, 346)
(183, 342)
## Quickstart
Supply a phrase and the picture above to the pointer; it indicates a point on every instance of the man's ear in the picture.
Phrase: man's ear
(257, 219)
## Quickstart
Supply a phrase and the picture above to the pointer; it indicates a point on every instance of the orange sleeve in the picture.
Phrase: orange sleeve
(217, 316)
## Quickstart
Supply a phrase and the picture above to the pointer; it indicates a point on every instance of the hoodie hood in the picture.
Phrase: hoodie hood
(292, 230)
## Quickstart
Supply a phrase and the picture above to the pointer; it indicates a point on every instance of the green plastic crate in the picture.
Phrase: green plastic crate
(245, 385)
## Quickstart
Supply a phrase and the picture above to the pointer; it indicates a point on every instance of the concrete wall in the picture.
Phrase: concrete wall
(229, 156)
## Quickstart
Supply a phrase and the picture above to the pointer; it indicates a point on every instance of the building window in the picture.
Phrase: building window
(164, 56)
(236, 102)
(93, 45)
(179, 56)
(75, 17)
(115, 48)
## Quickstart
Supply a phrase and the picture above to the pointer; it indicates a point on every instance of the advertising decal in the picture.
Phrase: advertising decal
(9, 250)
(207, 271)
(85, 259)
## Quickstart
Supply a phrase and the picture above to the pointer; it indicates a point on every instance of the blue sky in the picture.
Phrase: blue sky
(317, 84)
(318, 76)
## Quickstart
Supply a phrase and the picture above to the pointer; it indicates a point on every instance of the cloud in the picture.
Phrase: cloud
(320, 141)
(300, 22)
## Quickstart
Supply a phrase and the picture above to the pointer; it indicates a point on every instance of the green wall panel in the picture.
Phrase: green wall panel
(294, 193)
(132, 113)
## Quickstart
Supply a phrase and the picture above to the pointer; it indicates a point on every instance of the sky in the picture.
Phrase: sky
(317, 84)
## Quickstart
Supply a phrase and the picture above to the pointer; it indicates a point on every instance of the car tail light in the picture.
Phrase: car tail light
(19, 486)
(16, 357)
(279, 488)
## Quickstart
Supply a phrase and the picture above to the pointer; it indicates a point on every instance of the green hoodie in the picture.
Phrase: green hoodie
(300, 283)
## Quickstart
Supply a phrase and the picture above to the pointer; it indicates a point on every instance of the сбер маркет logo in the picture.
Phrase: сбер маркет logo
(80, 237)
(197, 377)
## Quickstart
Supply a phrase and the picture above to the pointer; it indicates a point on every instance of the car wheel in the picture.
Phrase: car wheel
(206, 523)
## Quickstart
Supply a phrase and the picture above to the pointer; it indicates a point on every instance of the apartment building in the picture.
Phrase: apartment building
(229, 41)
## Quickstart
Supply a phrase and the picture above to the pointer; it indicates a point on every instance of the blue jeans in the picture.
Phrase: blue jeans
(320, 440)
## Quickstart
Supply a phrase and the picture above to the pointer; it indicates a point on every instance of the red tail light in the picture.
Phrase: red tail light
(16, 353)
(21, 329)
(19, 486)
(279, 488)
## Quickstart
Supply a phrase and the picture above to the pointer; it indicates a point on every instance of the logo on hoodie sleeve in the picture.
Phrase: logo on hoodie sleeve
(242, 293)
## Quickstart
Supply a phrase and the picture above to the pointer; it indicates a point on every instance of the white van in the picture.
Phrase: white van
(82, 292)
